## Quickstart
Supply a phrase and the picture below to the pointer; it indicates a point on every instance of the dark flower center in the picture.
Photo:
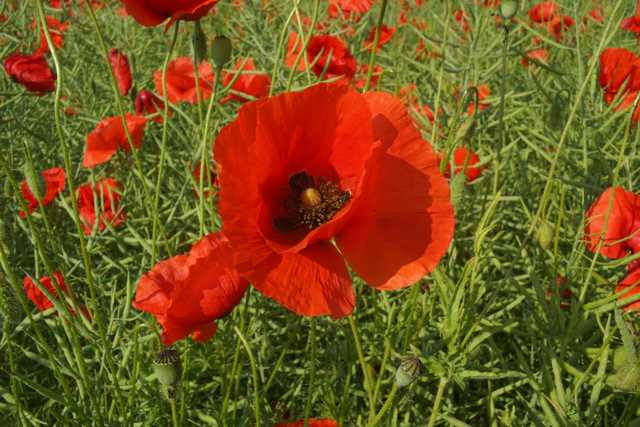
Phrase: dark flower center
(310, 203)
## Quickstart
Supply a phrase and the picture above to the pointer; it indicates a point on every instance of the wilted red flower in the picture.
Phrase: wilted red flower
(188, 293)
(108, 203)
(37, 296)
(622, 232)
(472, 172)
(325, 422)
(153, 12)
(628, 288)
(181, 80)
(54, 182)
(303, 169)
(31, 71)
(56, 31)
(385, 36)
(103, 142)
(121, 69)
(249, 82)
(148, 103)
(540, 54)
(619, 68)
(544, 11)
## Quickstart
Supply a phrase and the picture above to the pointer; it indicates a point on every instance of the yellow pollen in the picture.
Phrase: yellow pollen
(310, 198)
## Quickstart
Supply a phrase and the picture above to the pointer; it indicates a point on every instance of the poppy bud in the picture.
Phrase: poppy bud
(409, 370)
(627, 378)
(199, 42)
(621, 357)
(221, 51)
(544, 235)
(508, 9)
(166, 367)
(457, 189)
(36, 183)
(556, 114)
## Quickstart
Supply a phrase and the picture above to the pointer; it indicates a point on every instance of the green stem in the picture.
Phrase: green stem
(312, 371)
(374, 47)
(385, 407)
(363, 364)
(174, 413)
(163, 148)
(435, 412)
(254, 373)
(501, 133)
(305, 43)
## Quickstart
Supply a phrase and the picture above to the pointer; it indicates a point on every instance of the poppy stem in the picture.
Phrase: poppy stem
(279, 51)
(503, 80)
(305, 43)
(254, 373)
(363, 364)
(385, 407)
(174, 414)
(436, 404)
(374, 47)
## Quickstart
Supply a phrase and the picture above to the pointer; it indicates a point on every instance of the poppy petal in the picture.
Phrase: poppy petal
(405, 196)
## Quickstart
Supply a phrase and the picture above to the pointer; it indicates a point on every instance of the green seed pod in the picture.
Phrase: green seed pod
(221, 51)
(166, 366)
(621, 358)
(36, 183)
(626, 379)
(457, 189)
(556, 114)
(409, 370)
(545, 235)
(508, 9)
(199, 42)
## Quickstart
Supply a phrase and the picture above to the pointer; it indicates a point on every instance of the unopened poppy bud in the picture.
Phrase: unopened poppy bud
(508, 9)
(621, 357)
(409, 370)
(627, 378)
(35, 182)
(545, 235)
(221, 51)
(199, 41)
(166, 366)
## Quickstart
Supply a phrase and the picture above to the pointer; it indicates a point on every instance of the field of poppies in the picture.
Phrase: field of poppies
(327, 213)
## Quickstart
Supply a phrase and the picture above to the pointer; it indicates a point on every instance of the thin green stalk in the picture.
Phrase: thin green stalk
(312, 371)
(305, 43)
(501, 133)
(163, 148)
(387, 405)
(374, 47)
(280, 49)
(254, 374)
(174, 414)
(435, 412)
(363, 364)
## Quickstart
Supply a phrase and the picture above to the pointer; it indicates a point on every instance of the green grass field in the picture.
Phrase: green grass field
(500, 343)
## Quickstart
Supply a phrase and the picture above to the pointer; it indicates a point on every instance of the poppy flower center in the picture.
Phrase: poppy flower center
(310, 203)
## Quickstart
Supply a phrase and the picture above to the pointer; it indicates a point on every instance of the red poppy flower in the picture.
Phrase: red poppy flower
(558, 24)
(385, 36)
(56, 31)
(181, 81)
(103, 142)
(596, 14)
(121, 69)
(108, 204)
(623, 227)
(483, 93)
(349, 8)
(31, 71)
(154, 12)
(304, 169)
(472, 171)
(147, 103)
(326, 422)
(37, 296)
(249, 82)
(544, 11)
(541, 55)
(628, 288)
(631, 24)
(332, 54)
(188, 293)
(619, 67)
(54, 182)
(461, 19)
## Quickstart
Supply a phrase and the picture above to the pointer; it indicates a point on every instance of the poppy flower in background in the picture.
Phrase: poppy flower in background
(54, 183)
(632, 23)
(37, 296)
(103, 142)
(323, 52)
(472, 171)
(249, 82)
(349, 8)
(620, 68)
(188, 293)
(544, 11)
(108, 192)
(56, 31)
(325, 422)
(147, 103)
(303, 169)
(181, 81)
(558, 24)
(385, 36)
(150, 13)
(461, 18)
(121, 69)
(622, 233)
(628, 288)
(30, 71)
(483, 93)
